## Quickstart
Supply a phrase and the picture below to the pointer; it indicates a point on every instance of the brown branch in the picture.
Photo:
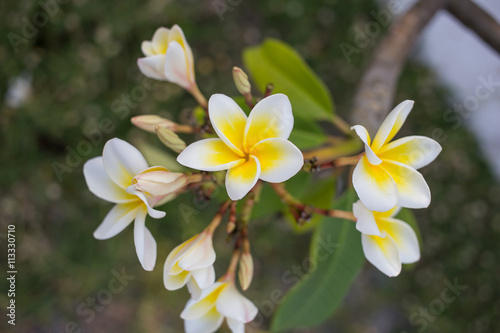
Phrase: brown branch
(477, 20)
(375, 94)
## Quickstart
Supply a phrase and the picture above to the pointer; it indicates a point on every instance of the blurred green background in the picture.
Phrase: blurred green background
(82, 63)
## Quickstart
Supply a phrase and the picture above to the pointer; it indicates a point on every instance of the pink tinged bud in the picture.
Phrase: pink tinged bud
(170, 139)
(158, 181)
(150, 122)
(241, 81)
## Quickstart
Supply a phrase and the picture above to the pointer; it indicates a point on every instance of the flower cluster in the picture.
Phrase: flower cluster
(385, 179)
(250, 150)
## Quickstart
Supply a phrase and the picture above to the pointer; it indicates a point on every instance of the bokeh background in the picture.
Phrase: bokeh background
(60, 79)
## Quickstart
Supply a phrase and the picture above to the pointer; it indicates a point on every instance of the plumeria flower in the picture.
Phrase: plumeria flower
(219, 301)
(191, 263)
(250, 148)
(387, 174)
(111, 177)
(387, 242)
(169, 58)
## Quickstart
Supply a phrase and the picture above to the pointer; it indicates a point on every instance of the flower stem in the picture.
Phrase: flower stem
(218, 217)
(199, 177)
(231, 270)
(185, 129)
(231, 224)
(195, 91)
(342, 125)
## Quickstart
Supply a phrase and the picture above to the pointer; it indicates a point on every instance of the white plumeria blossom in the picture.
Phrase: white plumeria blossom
(168, 58)
(110, 177)
(191, 263)
(250, 147)
(387, 174)
(387, 242)
(219, 301)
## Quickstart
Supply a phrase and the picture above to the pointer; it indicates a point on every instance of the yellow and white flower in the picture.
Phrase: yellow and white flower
(250, 148)
(387, 242)
(110, 177)
(191, 263)
(386, 175)
(169, 58)
(219, 301)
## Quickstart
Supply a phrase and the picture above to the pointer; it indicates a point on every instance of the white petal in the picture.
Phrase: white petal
(122, 162)
(365, 137)
(242, 178)
(382, 253)
(413, 191)
(118, 218)
(154, 213)
(209, 155)
(101, 185)
(176, 34)
(193, 288)
(153, 67)
(279, 159)
(228, 121)
(177, 253)
(160, 40)
(272, 117)
(175, 282)
(147, 48)
(176, 66)
(197, 308)
(209, 323)
(235, 326)
(204, 277)
(232, 304)
(392, 124)
(366, 222)
(405, 239)
(199, 256)
(374, 186)
(414, 151)
(145, 244)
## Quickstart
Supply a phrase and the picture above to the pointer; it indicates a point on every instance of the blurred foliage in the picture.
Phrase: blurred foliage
(83, 67)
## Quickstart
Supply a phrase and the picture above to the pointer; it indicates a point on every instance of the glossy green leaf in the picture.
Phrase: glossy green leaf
(275, 62)
(338, 257)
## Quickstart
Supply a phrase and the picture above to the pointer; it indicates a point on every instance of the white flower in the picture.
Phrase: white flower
(250, 148)
(108, 177)
(219, 301)
(386, 175)
(387, 242)
(191, 263)
(168, 58)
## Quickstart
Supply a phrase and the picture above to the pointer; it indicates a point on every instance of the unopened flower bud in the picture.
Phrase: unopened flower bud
(170, 139)
(245, 271)
(158, 181)
(241, 81)
(150, 122)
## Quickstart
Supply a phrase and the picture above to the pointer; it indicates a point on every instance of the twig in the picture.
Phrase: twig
(302, 212)
(312, 165)
(375, 94)
(477, 20)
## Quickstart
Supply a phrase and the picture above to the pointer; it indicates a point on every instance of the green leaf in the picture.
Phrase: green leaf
(338, 257)
(275, 62)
